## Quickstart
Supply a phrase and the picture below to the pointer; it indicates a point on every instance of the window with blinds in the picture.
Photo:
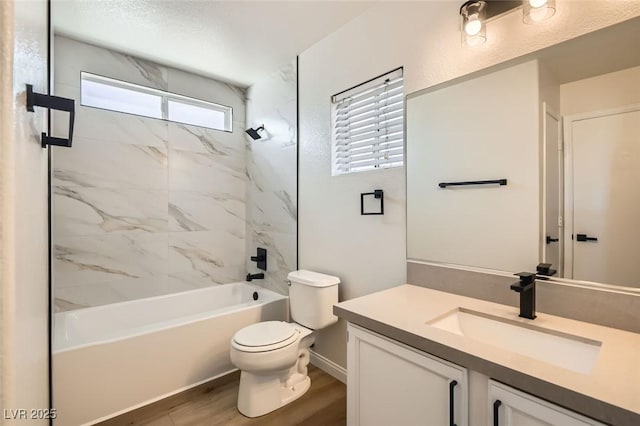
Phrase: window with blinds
(368, 125)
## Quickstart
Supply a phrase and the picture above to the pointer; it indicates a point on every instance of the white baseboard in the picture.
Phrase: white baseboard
(328, 366)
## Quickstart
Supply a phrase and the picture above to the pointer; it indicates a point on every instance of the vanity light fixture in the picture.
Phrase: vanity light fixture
(534, 11)
(474, 15)
(473, 22)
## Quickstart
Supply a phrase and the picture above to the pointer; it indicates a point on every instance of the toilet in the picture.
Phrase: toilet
(273, 355)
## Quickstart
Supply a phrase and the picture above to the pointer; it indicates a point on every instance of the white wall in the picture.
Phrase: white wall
(483, 128)
(606, 91)
(23, 214)
(368, 252)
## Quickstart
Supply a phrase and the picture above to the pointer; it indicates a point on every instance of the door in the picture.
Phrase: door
(552, 200)
(511, 407)
(389, 383)
(603, 200)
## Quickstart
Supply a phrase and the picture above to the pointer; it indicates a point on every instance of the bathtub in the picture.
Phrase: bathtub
(110, 359)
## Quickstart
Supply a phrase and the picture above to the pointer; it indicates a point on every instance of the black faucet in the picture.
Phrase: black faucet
(527, 289)
(251, 277)
(545, 270)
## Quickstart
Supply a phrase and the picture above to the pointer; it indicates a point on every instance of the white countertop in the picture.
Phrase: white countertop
(609, 393)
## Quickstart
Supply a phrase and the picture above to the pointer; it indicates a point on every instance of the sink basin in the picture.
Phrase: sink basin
(563, 350)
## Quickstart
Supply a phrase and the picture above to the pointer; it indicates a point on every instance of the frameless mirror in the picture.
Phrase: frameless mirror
(532, 161)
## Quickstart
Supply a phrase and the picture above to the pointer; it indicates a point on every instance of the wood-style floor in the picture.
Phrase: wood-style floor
(324, 404)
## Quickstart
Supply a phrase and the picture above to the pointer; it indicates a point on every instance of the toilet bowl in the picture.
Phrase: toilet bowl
(273, 355)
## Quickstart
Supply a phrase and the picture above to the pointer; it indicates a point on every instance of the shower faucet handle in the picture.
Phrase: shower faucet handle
(261, 258)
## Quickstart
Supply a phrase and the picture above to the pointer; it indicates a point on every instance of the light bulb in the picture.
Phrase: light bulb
(537, 3)
(472, 27)
(472, 23)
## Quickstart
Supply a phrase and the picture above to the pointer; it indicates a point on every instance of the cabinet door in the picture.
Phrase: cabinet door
(511, 407)
(389, 383)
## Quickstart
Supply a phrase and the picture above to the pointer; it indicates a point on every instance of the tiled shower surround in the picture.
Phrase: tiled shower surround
(144, 207)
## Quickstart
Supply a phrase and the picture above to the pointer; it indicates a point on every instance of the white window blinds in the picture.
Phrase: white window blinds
(368, 125)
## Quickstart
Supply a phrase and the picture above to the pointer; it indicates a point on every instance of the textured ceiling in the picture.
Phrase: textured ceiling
(234, 41)
(592, 54)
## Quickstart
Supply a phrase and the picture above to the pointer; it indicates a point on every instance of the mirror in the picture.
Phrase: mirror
(532, 161)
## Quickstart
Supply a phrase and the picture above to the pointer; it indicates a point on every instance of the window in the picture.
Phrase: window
(368, 125)
(197, 113)
(120, 96)
(115, 98)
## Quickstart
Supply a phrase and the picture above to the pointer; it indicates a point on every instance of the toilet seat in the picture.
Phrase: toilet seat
(265, 336)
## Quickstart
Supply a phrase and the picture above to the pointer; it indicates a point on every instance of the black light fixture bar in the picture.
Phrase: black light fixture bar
(500, 7)
(501, 182)
(495, 7)
(56, 103)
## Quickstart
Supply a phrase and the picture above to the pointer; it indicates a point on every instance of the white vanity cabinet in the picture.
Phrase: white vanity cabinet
(511, 407)
(389, 383)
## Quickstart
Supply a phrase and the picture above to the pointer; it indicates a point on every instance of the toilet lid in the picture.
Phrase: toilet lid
(264, 333)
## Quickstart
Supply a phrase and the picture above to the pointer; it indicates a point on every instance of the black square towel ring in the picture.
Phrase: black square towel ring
(52, 102)
(377, 194)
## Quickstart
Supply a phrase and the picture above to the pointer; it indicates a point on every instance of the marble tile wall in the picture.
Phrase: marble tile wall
(143, 207)
(272, 209)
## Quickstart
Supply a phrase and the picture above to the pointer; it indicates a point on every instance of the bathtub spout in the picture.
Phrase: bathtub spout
(251, 277)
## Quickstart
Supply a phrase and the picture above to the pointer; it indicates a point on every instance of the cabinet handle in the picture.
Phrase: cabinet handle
(496, 412)
(452, 385)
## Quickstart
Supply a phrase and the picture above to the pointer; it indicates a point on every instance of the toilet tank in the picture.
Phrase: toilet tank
(311, 297)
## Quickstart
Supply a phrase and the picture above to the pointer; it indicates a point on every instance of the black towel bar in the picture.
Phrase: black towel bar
(500, 182)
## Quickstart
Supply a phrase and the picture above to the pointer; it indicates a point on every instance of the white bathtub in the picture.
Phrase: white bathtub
(110, 359)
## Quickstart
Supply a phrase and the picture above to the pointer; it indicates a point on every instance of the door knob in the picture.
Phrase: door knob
(585, 237)
(552, 240)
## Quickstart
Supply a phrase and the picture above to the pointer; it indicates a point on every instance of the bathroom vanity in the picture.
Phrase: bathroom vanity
(420, 356)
